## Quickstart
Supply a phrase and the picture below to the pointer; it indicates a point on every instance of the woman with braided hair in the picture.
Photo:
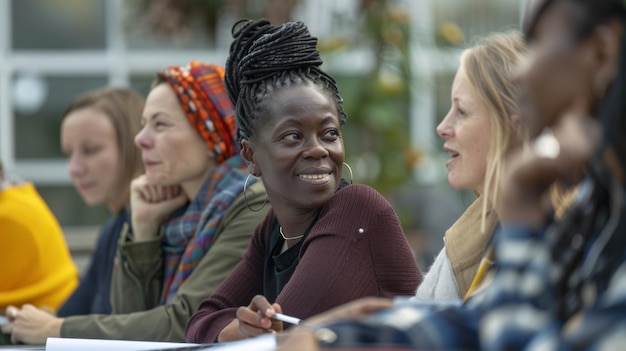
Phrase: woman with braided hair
(324, 242)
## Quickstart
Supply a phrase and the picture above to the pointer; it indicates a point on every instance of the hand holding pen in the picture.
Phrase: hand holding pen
(255, 319)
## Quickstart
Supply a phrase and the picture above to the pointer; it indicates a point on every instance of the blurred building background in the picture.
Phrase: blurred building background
(394, 61)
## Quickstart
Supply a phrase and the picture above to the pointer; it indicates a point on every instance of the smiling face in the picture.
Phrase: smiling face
(172, 150)
(297, 149)
(467, 133)
(90, 143)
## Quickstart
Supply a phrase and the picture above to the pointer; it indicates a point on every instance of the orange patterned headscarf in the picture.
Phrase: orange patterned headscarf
(203, 97)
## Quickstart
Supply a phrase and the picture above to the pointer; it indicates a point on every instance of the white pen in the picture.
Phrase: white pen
(285, 318)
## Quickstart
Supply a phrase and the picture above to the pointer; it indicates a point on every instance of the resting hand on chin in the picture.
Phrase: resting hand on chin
(150, 205)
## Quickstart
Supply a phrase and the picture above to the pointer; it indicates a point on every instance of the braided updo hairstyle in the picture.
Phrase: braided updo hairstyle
(265, 58)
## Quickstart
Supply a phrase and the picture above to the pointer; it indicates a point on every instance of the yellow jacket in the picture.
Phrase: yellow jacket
(36, 264)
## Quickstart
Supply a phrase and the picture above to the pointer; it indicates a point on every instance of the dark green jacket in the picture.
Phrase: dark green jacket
(137, 283)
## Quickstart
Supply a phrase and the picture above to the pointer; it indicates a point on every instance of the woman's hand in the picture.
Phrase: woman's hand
(352, 310)
(529, 173)
(31, 325)
(301, 339)
(150, 205)
(252, 320)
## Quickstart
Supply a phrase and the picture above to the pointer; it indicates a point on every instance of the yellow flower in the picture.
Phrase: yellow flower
(414, 156)
(331, 44)
(390, 82)
(399, 14)
(394, 36)
(451, 33)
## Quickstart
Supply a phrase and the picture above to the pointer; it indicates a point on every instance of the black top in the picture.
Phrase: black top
(279, 267)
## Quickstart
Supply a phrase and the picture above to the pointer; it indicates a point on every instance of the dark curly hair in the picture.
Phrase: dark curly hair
(264, 58)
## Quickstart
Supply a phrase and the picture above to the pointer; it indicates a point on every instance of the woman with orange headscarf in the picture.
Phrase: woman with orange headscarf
(192, 215)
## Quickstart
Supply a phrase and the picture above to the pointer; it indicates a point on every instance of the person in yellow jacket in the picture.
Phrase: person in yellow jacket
(36, 264)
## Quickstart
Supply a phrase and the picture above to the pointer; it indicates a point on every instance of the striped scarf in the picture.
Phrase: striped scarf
(189, 237)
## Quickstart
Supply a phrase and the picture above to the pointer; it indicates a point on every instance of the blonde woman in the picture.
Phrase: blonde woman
(479, 131)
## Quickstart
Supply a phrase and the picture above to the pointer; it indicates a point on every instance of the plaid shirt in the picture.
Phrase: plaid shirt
(515, 312)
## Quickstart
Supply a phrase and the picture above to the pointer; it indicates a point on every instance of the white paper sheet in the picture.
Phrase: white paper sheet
(265, 342)
(70, 344)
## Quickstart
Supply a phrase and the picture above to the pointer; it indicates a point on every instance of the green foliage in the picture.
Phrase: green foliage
(378, 103)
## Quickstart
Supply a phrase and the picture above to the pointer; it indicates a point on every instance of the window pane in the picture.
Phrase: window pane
(443, 88)
(58, 24)
(69, 208)
(477, 17)
(138, 38)
(39, 102)
(142, 83)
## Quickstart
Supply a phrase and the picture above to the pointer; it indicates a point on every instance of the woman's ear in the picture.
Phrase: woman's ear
(247, 154)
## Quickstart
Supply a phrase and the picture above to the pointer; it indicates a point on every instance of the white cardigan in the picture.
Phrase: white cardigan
(439, 282)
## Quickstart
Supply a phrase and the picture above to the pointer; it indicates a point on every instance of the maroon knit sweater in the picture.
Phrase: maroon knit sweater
(338, 264)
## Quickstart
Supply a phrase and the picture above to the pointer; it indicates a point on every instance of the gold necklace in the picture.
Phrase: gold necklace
(280, 229)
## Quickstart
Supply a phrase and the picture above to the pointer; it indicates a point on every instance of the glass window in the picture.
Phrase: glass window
(443, 88)
(69, 208)
(38, 105)
(58, 24)
(139, 38)
(476, 17)
(168, 25)
(142, 83)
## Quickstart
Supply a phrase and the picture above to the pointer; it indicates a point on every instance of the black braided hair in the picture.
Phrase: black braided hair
(264, 58)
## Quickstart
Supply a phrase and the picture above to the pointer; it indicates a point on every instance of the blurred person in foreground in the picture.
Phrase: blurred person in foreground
(560, 284)
(190, 215)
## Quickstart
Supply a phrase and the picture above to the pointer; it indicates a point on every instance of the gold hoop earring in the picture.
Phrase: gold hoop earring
(245, 198)
(350, 170)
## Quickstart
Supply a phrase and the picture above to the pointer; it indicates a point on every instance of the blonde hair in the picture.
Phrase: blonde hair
(488, 66)
(124, 108)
